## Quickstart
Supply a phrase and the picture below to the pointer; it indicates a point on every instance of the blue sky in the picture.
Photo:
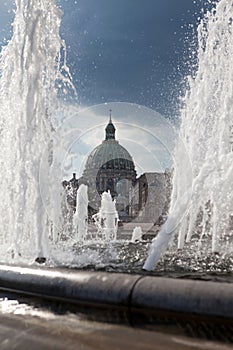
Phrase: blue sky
(126, 50)
(131, 50)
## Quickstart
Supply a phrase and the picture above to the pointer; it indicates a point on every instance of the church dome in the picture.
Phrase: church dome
(109, 155)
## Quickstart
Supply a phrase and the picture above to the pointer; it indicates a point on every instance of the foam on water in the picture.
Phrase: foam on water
(203, 205)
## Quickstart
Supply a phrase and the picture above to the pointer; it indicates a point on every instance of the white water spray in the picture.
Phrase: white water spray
(106, 219)
(30, 69)
(81, 214)
(137, 234)
(207, 199)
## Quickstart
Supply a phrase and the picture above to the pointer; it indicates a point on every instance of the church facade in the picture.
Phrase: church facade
(110, 167)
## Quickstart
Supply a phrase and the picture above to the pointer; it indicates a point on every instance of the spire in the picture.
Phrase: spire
(110, 129)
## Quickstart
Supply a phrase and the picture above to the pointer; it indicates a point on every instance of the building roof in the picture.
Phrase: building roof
(109, 154)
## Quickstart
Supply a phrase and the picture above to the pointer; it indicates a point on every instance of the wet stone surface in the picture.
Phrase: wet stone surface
(26, 323)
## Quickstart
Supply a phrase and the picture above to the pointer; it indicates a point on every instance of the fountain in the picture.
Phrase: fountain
(203, 205)
(31, 71)
(106, 219)
(32, 227)
(81, 214)
(31, 223)
(136, 235)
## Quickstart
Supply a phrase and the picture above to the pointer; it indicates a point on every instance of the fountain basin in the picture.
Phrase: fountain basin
(139, 299)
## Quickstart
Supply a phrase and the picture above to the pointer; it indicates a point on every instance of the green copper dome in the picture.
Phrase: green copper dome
(110, 154)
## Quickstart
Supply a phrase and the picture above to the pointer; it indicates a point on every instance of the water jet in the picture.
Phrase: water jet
(204, 201)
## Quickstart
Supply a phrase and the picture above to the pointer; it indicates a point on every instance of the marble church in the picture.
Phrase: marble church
(110, 167)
